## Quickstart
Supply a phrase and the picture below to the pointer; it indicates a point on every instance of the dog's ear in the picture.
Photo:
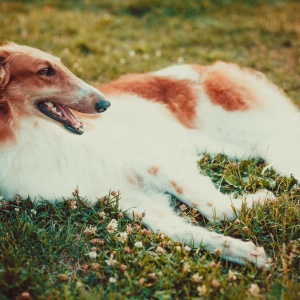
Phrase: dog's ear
(4, 70)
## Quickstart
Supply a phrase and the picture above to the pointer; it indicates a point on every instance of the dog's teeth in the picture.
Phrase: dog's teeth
(49, 104)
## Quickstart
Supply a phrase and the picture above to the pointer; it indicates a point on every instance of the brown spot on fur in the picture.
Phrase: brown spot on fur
(178, 189)
(176, 94)
(135, 180)
(226, 88)
(153, 171)
(209, 204)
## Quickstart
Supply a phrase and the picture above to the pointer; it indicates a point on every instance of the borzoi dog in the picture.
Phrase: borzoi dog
(146, 145)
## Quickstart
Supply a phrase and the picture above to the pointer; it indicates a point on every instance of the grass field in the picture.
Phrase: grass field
(70, 251)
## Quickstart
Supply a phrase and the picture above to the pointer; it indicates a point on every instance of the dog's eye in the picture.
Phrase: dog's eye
(47, 71)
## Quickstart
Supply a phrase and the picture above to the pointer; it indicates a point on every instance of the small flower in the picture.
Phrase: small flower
(84, 267)
(129, 229)
(201, 290)
(72, 204)
(120, 214)
(92, 254)
(24, 296)
(152, 275)
(141, 281)
(127, 250)
(187, 249)
(111, 262)
(237, 221)
(33, 212)
(183, 207)
(159, 249)
(254, 289)
(123, 236)
(139, 216)
(131, 53)
(17, 209)
(246, 229)
(112, 226)
(196, 278)
(102, 215)
(91, 230)
(146, 232)
(137, 227)
(232, 275)
(112, 280)
(95, 266)
(123, 268)
(97, 242)
(186, 268)
(62, 277)
(138, 244)
(215, 284)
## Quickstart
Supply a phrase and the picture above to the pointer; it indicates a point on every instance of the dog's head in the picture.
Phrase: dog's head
(33, 82)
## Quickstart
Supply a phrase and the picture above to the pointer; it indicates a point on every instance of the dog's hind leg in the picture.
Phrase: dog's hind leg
(160, 216)
(198, 191)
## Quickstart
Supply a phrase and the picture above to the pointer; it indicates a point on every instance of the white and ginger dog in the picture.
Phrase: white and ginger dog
(146, 144)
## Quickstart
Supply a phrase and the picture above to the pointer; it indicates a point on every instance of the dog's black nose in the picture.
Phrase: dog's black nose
(102, 105)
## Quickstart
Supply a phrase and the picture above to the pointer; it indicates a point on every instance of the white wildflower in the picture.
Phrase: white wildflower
(129, 229)
(138, 244)
(196, 278)
(187, 248)
(33, 212)
(111, 261)
(232, 275)
(123, 236)
(92, 254)
(202, 290)
(102, 215)
(112, 280)
(186, 268)
(131, 53)
(112, 226)
(159, 249)
(91, 230)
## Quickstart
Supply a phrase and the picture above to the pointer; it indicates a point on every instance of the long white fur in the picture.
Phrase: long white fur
(135, 135)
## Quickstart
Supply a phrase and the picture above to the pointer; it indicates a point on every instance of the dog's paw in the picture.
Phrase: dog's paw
(243, 252)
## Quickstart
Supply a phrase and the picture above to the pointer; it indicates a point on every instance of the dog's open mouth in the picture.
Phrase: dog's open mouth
(62, 114)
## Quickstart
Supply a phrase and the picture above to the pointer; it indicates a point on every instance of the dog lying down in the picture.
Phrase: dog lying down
(146, 145)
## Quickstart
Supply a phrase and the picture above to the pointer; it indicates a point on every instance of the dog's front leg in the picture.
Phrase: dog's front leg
(159, 216)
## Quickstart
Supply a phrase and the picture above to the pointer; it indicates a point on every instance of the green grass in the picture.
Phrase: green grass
(44, 249)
